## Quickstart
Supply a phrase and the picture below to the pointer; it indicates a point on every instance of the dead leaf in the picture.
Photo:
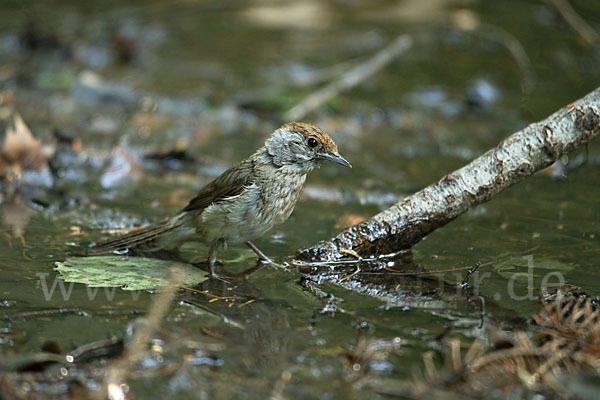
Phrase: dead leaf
(20, 151)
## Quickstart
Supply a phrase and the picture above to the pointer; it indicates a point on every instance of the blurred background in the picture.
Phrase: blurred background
(116, 113)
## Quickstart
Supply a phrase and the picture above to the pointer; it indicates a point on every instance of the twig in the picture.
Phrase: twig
(280, 384)
(468, 22)
(23, 248)
(517, 51)
(324, 74)
(39, 313)
(350, 79)
(470, 272)
(578, 24)
(117, 373)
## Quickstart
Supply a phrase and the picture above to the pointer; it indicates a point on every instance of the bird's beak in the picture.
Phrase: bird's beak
(336, 158)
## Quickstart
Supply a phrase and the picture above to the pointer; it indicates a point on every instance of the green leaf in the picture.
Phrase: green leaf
(129, 273)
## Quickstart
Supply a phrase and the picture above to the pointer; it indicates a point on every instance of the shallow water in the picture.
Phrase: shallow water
(214, 78)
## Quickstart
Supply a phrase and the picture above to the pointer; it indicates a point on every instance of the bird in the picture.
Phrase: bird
(241, 204)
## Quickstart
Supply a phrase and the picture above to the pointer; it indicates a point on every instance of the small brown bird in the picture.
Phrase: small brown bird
(244, 202)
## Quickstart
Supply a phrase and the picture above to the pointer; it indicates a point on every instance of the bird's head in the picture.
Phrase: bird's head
(302, 145)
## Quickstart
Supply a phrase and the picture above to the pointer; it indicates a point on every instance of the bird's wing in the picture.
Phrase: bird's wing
(230, 183)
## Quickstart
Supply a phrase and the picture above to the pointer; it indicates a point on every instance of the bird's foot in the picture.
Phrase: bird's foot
(219, 278)
(211, 269)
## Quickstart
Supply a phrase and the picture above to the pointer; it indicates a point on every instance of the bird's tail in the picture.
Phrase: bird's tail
(148, 239)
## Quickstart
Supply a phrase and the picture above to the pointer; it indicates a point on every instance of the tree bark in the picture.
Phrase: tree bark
(518, 156)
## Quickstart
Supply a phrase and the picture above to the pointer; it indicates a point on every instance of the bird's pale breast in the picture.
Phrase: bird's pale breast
(267, 202)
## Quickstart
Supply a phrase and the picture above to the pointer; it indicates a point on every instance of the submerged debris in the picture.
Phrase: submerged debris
(368, 358)
(567, 342)
(123, 166)
(14, 212)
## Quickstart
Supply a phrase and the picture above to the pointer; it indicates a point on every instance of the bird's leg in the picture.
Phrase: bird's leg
(212, 256)
(259, 253)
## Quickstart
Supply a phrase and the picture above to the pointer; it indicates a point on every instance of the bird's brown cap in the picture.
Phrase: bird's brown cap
(309, 130)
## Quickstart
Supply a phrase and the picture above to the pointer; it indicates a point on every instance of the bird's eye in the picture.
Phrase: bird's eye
(312, 142)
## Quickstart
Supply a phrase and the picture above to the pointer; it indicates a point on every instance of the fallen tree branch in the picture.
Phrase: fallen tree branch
(518, 156)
